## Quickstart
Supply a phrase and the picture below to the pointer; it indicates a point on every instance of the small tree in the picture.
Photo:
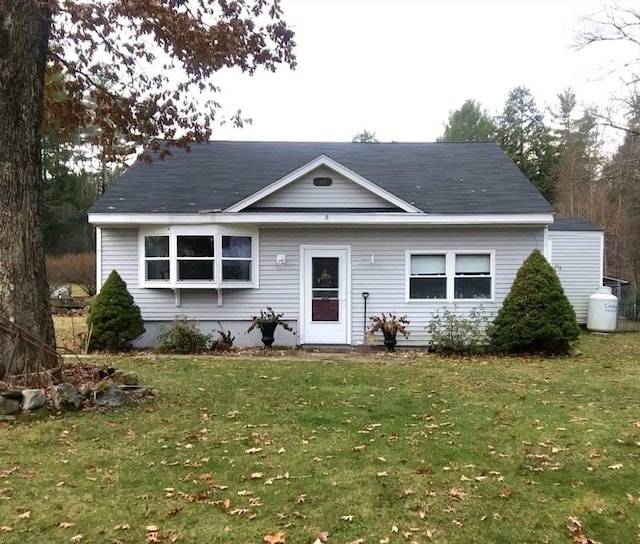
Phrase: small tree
(114, 318)
(536, 315)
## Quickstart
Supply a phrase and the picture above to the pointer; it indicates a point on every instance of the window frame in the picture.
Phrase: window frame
(173, 232)
(450, 267)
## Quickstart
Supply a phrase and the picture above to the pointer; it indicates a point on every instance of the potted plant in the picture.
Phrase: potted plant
(267, 322)
(390, 325)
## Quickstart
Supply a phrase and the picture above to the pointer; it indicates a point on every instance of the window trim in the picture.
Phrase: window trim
(197, 230)
(450, 267)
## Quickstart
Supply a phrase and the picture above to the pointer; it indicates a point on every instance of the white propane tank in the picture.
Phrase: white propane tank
(603, 311)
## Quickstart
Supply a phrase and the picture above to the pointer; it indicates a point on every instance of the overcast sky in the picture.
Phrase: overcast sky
(397, 67)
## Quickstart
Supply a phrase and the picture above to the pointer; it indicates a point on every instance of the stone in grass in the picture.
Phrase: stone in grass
(8, 407)
(109, 395)
(125, 377)
(33, 399)
(65, 397)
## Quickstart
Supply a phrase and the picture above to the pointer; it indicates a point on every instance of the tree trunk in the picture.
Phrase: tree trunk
(24, 34)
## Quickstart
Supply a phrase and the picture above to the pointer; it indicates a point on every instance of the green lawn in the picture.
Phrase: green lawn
(406, 447)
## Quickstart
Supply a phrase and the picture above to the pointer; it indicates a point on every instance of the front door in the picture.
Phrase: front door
(326, 288)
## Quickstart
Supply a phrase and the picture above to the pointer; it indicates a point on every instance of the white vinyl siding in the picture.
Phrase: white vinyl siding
(378, 266)
(577, 259)
(342, 193)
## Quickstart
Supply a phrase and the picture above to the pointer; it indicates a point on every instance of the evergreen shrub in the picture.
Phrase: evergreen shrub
(536, 316)
(114, 318)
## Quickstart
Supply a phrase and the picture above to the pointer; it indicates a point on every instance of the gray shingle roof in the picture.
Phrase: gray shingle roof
(573, 223)
(440, 178)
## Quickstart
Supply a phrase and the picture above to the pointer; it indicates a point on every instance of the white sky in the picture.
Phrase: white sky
(397, 67)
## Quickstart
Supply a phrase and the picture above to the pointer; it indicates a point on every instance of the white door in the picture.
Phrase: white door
(325, 293)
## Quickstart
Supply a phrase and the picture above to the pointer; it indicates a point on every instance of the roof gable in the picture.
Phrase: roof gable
(366, 194)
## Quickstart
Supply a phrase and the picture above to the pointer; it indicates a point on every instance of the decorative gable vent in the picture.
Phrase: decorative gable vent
(322, 182)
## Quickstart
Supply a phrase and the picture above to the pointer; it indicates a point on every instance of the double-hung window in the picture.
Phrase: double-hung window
(450, 276)
(198, 257)
(428, 276)
(236, 258)
(472, 276)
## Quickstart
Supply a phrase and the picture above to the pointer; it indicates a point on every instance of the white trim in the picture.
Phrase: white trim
(328, 218)
(98, 259)
(546, 245)
(348, 289)
(450, 264)
(601, 259)
(322, 160)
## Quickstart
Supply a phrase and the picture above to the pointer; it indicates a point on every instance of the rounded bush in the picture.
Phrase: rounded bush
(182, 336)
(114, 318)
(536, 316)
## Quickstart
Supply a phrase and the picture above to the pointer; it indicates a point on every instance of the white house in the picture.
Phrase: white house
(229, 228)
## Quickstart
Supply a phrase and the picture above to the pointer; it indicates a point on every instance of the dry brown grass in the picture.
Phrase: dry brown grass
(71, 331)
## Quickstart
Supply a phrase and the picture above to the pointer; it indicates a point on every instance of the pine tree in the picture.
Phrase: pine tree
(114, 318)
(536, 316)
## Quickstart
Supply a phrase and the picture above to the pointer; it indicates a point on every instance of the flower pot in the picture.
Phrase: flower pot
(268, 330)
(390, 344)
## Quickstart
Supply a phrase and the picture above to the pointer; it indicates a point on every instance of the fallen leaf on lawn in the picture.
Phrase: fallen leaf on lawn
(245, 493)
(121, 527)
(463, 478)
(617, 466)
(152, 528)
(404, 493)
(256, 475)
(25, 515)
(238, 511)
(577, 531)
(457, 493)
(429, 534)
(65, 524)
(274, 538)
(394, 528)
(6, 529)
(226, 503)
(281, 450)
(480, 478)
(360, 448)
(323, 536)
(457, 523)
(357, 541)
(76, 538)
(384, 540)
(252, 450)
(347, 518)
(506, 492)
(382, 474)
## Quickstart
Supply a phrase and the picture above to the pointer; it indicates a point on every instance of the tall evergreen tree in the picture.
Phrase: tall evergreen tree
(470, 123)
(523, 136)
(578, 159)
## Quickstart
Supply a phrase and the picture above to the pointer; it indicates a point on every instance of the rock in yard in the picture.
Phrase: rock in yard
(109, 395)
(32, 399)
(65, 397)
(9, 407)
(125, 377)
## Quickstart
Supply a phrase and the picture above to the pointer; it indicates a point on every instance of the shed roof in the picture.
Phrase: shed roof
(438, 178)
(575, 224)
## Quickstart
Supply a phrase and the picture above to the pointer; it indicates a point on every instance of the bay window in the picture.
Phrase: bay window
(198, 257)
(450, 275)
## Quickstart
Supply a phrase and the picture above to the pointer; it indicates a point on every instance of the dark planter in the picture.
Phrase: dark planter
(390, 342)
(268, 330)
